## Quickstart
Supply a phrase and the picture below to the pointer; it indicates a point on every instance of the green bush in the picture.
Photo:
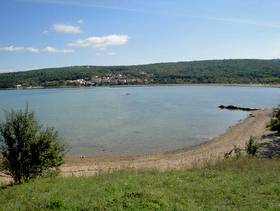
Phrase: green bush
(277, 113)
(275, 125)
(28, 150)
(251, 147)
(275, 122)
(237, 151)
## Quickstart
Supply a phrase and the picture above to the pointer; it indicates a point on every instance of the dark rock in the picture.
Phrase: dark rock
(233, 107)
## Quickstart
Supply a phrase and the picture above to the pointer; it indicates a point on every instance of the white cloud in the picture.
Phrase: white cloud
(70, 29)
(80, 21)
(101, 42)
(12, 48)
(47, 49)
(32, 50)
(102, 53)
(50, 49)
(19, 49)
(111, 53)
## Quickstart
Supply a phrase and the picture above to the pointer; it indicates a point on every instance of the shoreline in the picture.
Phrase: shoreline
(151, 85)
(213, 149)
(185, 158)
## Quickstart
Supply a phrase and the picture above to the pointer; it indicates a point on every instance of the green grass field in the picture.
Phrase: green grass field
(244, 184)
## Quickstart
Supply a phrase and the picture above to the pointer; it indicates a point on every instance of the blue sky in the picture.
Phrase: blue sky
(50, 33)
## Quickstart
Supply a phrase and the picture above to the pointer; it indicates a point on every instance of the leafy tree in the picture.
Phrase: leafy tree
(28, 149)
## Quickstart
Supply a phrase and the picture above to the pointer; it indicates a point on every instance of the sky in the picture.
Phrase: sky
(52, 33)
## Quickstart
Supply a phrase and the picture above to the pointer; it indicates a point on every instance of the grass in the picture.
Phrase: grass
(244, 184)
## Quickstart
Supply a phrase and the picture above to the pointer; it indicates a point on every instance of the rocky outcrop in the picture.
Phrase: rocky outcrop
(234, 107)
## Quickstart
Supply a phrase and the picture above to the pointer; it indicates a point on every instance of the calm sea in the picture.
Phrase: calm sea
(138, 120)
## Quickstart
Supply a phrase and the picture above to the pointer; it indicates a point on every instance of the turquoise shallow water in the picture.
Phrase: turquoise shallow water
(138, 120)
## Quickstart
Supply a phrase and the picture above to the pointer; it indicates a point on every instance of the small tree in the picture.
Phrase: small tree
(251, 147)
(275, 122)
(28, 150)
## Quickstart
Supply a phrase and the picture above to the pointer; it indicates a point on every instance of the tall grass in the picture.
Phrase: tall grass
(243, 184)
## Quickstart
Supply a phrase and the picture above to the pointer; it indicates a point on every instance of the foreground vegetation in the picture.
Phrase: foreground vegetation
(28, 149)
(212, 71)
(275, 121)
(237, 184)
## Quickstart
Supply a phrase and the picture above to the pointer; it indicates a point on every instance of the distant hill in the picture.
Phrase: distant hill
(208, 71)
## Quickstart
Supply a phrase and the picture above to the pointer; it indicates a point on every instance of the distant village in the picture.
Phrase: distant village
(95, 80)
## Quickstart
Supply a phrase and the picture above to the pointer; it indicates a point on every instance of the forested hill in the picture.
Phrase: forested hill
(210, 71)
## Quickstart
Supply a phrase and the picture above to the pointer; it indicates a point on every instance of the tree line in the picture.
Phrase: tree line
(208, 71)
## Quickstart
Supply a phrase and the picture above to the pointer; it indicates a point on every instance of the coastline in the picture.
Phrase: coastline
(151, 85)
(185, 158)
(238, 134)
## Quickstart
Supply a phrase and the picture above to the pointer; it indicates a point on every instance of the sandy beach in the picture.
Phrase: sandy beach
(239, 134)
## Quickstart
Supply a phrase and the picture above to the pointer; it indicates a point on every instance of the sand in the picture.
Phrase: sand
(239, 134)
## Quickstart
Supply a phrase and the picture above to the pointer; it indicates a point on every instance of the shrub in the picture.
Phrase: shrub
(275, 122)
(28, 150)
(275, 125)
(237, 151)
(227, 154)
(277, 113)
(251, 147)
